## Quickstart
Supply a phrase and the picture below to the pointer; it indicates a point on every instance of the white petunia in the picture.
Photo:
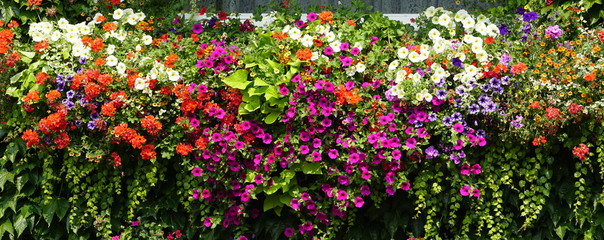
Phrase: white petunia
(315, 56)
(393, 65)
(121, 68)
(414, 57)
(173, 75)
(430, 11)
(360, 67)
(295, 33)
(141, 83)
(461, 15)
(72, 37)
(132, 19)
(468, 22)
(118, 14)
(110, 49)
(335, 45)
(402, 52)
(55, 36)
(83, 29)
(306, 40)
(330, 36)
(62, 23)
(434, 34)
(351, 70)
(147, 39)
(111, 61)
(444, 20)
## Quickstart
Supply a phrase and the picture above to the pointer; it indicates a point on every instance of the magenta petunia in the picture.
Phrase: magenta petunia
(311, 16)
(390, 190)
(355, 51)
(458, 127)
(410, 142)
(476, 169)
(197, 172)
(197, 28)
(406, 186)
(333, 153)
(365, 190)
(294, 203)
(289, 232)
(465, 169)
(465, 190)
(346, 61)
(476, 192)
(342, 195)
(328, 50)
(358, 202)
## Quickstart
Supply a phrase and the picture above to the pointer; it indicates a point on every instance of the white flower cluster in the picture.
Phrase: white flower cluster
(420, 82)
(64, 35)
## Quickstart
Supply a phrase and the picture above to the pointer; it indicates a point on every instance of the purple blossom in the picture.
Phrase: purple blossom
(529, 16)
(406, 186)
(197, 28)
(196, 172)
(328, 51)
(431, 152)
(355, 51)
(333, 153)
(503, 29)
(554, 31)
(457, 62)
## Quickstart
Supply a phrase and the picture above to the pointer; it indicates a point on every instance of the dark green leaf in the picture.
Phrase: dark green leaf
(20, 224)
(4, 177)
(7, 226)
(271, 202)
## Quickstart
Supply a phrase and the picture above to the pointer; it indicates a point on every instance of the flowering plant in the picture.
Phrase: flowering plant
(318, 118)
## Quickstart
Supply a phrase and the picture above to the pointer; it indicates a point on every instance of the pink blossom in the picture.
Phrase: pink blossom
(465, 190)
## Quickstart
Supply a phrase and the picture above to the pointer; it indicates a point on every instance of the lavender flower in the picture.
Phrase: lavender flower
(554, 31)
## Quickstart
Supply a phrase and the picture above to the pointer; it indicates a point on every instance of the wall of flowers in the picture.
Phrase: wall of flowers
(332, 124)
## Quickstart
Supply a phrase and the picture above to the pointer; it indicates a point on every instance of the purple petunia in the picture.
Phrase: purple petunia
(529, 16)
(457, 62)
(554, 31)
(197, 28)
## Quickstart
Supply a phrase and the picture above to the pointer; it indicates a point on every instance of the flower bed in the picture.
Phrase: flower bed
(218, 125)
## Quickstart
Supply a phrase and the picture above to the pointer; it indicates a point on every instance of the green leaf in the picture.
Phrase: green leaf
(237, 80)
(311, 168)
(49, 209)
(252, 104)
(62, 207)
(14, 92)
(5, 176)
(20, 224)
(270, 119)
(16, 77)
(259, 82)
(561, 231)
(271, 202)
(271, 92)
(7, 226)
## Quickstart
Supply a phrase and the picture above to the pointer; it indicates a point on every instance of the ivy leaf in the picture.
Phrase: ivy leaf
(48, 210)
(20, 224)
(561, 231)
(7, 226)
(259, 82)
(237, 80)
(271, 92)
(5, 176)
